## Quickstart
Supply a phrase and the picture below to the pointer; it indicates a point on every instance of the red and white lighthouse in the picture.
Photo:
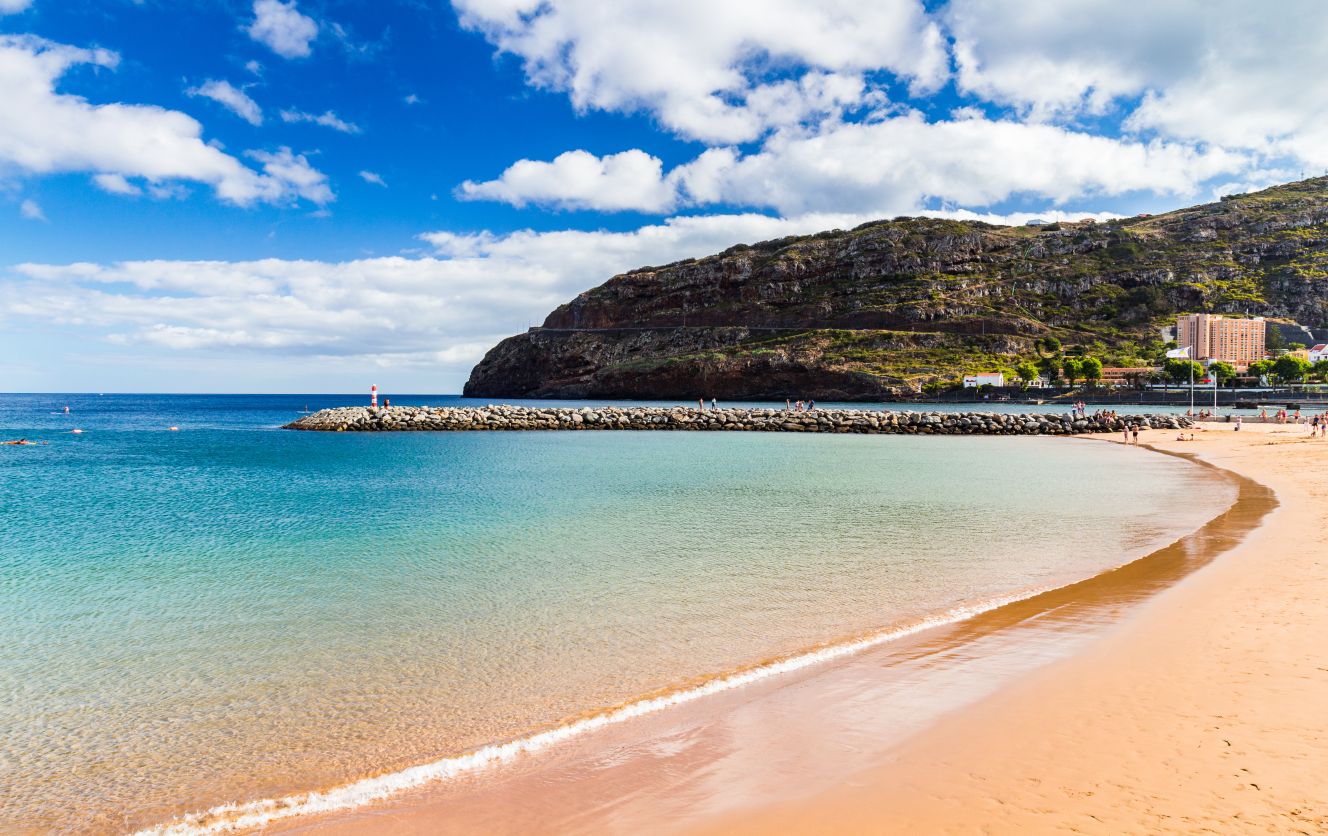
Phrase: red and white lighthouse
(373, 395)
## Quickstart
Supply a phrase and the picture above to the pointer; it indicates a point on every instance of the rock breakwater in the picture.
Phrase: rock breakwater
(506, 417)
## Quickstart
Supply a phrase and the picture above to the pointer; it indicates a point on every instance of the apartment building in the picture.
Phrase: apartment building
(1210, 337)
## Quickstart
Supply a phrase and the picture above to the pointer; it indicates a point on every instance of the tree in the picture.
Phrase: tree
(1320, 370)
(1072, 368)
(1224, 372)
(1295, 346)
(1027, 372)
(1289, 367)
(1048, 346)
(1179, 371)
(1091, 369)
(1274, 340)
(1259, 368)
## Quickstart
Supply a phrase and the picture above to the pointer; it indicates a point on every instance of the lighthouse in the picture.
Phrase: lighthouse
(373, 396)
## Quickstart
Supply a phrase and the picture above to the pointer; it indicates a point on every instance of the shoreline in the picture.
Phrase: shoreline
(435, 808)
(1203, 712)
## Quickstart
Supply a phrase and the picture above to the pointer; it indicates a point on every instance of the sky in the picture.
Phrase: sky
(315, 195)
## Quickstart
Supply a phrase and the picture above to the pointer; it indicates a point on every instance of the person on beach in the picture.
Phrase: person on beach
(700, 404)
(714, 404)
(387, 403)
(1135, 432)
(811, 405)
(788, 405)
(1125, 433)
(1238, 419)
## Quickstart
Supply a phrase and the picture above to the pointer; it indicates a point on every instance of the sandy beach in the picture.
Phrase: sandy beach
(1203, 713)
(1181, 693)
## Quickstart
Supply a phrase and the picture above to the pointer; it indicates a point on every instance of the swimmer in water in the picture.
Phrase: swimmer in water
(22, 442)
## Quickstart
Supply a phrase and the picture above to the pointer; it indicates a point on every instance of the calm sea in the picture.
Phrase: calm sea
(232, 612)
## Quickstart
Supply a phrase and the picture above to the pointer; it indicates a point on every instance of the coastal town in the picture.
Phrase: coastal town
(1203, 349)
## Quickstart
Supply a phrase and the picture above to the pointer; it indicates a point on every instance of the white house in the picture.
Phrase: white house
(973, 381)
(1319, 352)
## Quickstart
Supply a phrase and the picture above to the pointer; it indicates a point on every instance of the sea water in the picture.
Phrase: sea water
(229, 612)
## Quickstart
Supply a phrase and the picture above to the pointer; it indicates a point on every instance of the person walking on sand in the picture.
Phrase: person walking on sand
(1135, 432)
(1238, 419)
(1125, 433)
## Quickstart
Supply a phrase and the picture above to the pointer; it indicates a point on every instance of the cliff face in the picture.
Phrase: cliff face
(874, 311)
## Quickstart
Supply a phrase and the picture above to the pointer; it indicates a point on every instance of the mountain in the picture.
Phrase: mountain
(878, 310)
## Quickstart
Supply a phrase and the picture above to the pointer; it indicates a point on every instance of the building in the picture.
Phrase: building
(972, 381)
(1318, 352)
(1126, 375)
(1209, 337)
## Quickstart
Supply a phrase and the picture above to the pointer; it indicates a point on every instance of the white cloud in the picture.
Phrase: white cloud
(437, 313)
(327, 119)
(1237, 74)
(116, 184)
(282, 28)
(43, 131)
(253, 67)
(894, 166)
(31, 210)
(9, 7)
(230, 97)
(704, 68)
(371, 177)
(295, 173)
(580, 180)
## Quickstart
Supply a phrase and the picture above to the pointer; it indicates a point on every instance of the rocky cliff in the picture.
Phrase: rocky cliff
(875, 311)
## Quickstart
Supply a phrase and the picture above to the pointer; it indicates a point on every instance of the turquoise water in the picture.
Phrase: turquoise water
(232, 612)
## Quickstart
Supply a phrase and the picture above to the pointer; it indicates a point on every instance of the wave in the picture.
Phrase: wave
(253, 814)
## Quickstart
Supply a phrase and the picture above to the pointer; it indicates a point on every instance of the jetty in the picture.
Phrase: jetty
(732, 419)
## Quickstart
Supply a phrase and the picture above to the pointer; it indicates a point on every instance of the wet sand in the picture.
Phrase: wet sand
(1205, 712)
(1181, 692)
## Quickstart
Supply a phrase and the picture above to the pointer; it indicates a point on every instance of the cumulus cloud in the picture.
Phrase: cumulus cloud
(9, 7)
(372, 177)
(44, 131)
(282, 28)
(580, 180)
(1226, 72)
(893, 166)
(704, 69)
(116, 184)
(439, 312)
(31, 210)
(230, 97)
(327, 119)
(294, 172)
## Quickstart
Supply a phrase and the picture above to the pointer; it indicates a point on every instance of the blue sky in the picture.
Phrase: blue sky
(291, 195)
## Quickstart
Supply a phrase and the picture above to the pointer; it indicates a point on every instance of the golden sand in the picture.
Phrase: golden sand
(1205, 712)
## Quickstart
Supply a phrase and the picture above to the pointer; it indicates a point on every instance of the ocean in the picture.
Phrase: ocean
(229, 612)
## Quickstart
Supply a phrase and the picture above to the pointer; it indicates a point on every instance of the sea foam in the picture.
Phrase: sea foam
(253, 814)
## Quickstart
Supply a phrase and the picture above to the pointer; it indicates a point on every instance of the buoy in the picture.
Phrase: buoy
(173, 429)
(76, 432)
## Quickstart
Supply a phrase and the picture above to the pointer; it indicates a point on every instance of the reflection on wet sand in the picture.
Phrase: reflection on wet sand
(800, 734)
